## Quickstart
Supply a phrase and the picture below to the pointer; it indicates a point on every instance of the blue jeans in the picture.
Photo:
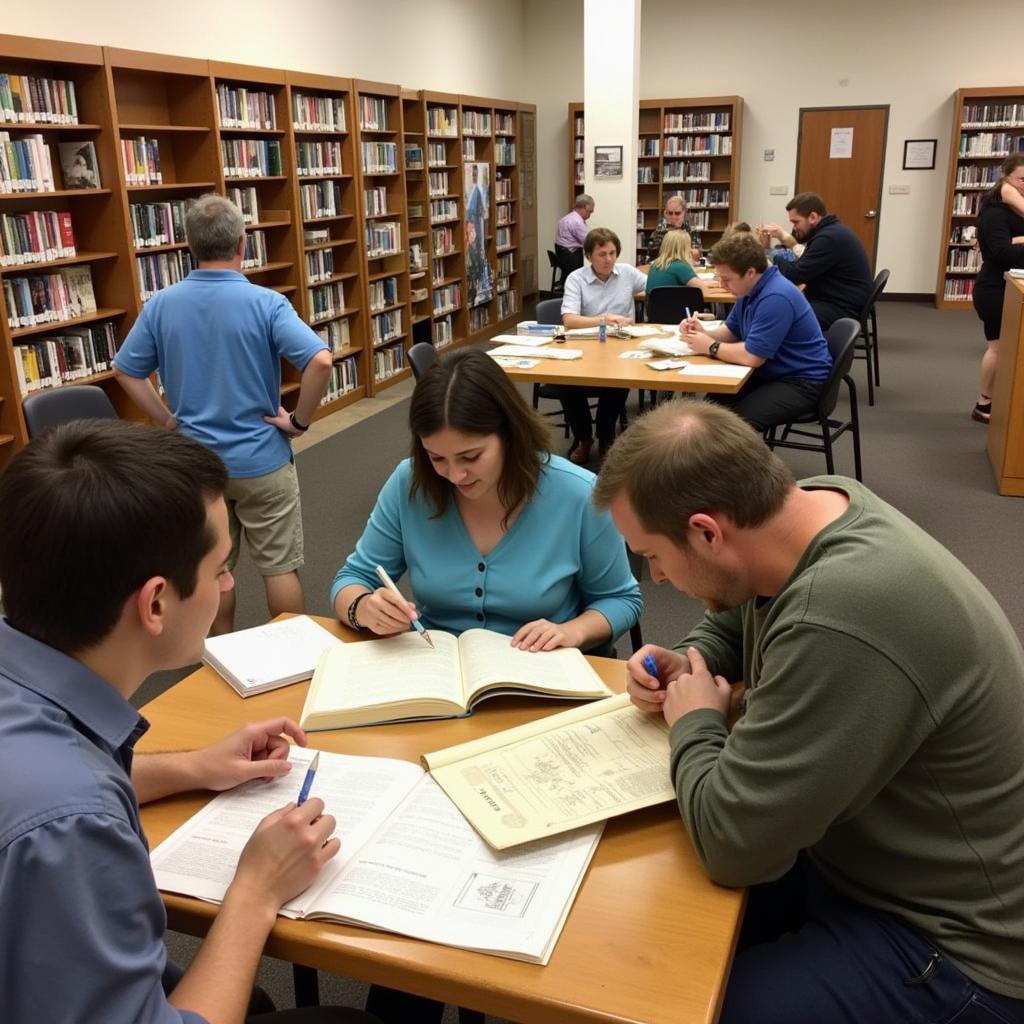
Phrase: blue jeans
(808, 955)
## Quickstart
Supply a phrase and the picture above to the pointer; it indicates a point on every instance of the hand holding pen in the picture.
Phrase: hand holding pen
(648, 674)
(394, 592)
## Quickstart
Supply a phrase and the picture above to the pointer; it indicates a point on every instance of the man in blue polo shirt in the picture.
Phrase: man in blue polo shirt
(217, 342)
(771, 328)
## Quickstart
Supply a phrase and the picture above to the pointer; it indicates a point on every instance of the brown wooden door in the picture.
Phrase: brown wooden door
(851, 185)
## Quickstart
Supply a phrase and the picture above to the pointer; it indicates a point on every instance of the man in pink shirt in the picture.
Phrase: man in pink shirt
(570, 233)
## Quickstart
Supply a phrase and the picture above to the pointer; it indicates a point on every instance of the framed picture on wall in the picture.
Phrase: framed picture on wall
(919, 154)
(607, 161)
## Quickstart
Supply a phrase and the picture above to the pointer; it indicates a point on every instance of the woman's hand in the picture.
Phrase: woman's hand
(542, 635)
(385, 613)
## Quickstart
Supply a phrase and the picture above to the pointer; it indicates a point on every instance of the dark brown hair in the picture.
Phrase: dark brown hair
(741, 251)
(806, 203)
(1006, 168)
(690, 456)
(90, 511)
(600, 236)
(469, 392)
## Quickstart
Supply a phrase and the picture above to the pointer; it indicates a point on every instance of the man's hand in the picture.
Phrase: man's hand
(693, 332)
(696, 689)
(542, 635)
(256, 751)
(616, 319)
(283, 422)
(285, 854)
(645, 691)
(771, 231)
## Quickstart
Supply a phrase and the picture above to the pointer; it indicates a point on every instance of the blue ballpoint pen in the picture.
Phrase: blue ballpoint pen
(307, 782)
(390, 584)
(651, 667)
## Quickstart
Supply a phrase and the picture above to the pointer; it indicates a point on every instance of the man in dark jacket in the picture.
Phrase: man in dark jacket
(834, 267)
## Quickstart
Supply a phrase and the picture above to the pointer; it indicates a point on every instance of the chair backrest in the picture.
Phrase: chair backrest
(553, 260)
(881, 280)
(549, 311)
(422, 357)
(59, 405)
(668, 304)
(842, 339)
(568, 259)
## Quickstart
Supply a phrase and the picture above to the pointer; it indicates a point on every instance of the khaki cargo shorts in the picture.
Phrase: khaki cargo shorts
(268, 511)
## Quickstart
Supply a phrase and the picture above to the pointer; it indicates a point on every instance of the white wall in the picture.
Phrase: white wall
(395, 41)
(783, 55)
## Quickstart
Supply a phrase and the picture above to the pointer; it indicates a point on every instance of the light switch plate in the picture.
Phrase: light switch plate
(778, 190)
(899, 190)
(769, 154)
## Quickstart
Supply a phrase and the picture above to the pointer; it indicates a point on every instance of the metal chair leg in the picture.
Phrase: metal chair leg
(307, 985)
(826, 437)
(869, 363)
(874, 344)
(855, 423)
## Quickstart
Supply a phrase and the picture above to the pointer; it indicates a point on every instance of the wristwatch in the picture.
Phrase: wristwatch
(352, 620)
(300, 427)
(713, 349)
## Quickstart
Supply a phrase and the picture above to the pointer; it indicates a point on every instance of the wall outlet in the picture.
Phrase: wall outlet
(769, 154)
(899, 190)
(778, 190)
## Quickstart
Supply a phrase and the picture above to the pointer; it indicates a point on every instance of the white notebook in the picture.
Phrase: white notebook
(526, 351)
(266, 657)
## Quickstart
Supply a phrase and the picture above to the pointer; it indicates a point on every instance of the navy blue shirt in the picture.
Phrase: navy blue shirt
(776, 323)
(81, 921)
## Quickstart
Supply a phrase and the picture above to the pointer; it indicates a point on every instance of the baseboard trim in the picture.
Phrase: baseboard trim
(907, 297)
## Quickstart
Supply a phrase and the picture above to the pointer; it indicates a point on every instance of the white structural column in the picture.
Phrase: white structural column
(611, 95)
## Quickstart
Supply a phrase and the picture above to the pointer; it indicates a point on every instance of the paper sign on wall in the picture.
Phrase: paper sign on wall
(841, 145)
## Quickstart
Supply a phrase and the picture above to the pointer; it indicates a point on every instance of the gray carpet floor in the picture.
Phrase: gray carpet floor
(921, 452)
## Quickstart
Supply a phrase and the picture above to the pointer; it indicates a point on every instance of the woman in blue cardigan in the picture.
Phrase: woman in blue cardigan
(493, 530)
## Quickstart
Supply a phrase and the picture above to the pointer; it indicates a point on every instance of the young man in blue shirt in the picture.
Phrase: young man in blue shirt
(113, 560)
(771, 328)
(217, 342)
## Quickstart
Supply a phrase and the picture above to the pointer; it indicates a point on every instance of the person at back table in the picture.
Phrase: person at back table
(674, 218)
(571, 233)
(113, 558)
(673, 266)
(833, 267)
(771, 328)
(217, 341)
(492, 529)
(599, 294)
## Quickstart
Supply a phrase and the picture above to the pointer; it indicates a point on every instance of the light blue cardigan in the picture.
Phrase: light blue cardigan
(559, 558)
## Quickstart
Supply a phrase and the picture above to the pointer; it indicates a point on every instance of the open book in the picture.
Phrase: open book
(409, 862)
(559, 773)
(400, 677)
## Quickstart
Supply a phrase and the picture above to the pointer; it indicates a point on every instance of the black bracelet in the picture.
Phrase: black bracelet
(352, 620)
(296, 424)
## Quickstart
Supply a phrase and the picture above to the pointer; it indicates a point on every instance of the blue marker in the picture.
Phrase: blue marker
(602, 331)
(307, 782)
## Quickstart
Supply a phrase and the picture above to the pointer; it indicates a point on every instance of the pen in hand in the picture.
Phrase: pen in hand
(307, 782)
(651, 668)
(390, 584)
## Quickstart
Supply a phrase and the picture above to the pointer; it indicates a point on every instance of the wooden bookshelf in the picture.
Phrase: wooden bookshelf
(526, 154)
(417, 208)
(978, 144)
(679, 154)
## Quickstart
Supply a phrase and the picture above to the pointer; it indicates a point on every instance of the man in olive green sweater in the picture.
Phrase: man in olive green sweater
(871, 791)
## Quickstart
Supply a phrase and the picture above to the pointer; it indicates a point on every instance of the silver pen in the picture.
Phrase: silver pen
(390, 584)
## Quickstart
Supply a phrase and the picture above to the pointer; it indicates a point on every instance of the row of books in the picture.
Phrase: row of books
(160, 270)
(447, 298)
(699, 145)
(158, 223)
(506, 264)
(385, 327)
(419, 294)
(29, 99)
(436, 156)
(507, 304)
(417, 257)
(437, 183)
(318, 158)
(437, 271)
(504, 153)
(442, 121)
(469, 149)
(646, 175)
(319, 265)
(25, 164)
(964, 260)
(976, 175)
(251, 158)
(964, 234)
(375, 201)
(239, 107)
(383, 293)
(443, 332)
(344, 378)
(503, 237)
(958, 289)
(320, 199)
(710, 121)
(334, 334)
(442, 242)
(65, 358)
(387, 362)
(244, 197)
(373, 113)
(991, 144)
(503, 189)
(502, 284)
(141, 161)
(700, 220)
(479, 318)
(35, 237)
(577, 125)
(993, 115)
(504, 124)
(966, 204)
(318, 113)
(49, 298)
(326, 300)
(255, 254)
(444, 210)
(383, 238)
(415, 211)
(379, 157)
(413, 156)
(647, 147)
(504, 214)
(476, 122)
(712, 198)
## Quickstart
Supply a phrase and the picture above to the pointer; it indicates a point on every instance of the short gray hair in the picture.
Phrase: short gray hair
(213, 226)
(583, 200)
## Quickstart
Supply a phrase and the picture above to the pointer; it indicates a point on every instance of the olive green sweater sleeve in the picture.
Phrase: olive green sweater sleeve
(719, 637)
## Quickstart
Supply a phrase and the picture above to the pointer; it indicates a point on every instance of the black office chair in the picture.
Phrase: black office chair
(70, 402)
(549, 311)
(422, 357)
(841, 338)
(669, 303)
(557, 277)
(867, 343)
(568, 259)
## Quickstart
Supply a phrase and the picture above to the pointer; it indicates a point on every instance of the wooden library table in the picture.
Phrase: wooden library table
(601, 366)
(649, 937)
(1005, 442)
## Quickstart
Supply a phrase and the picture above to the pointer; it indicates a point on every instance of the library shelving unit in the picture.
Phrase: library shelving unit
(417, 212)
(526, 158)
(380, 174)
(687, 147)
(988, 126)
(325, 200)
(97, 221)
(506, 209)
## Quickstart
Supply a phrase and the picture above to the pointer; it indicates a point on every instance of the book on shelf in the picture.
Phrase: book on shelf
(334, 334)
(379, 157)
(79, 167)
(318, 158)
(383, 238)
(373, 113)
(443, 331)
(375, 201)
(29, 99)
(413, 156)
(388, 362)
(26, 164)
(558, 774)
(320, 199)
(401, 678)
(239, 107)
(162, 269)
(319, 265)
(64, 358)
(255, 254)
(325, 300)
(158, 223)
(385, 327)
(269, 656)
(383, 293)
(35, 237)
(245, 198)
(409, 862)
(344, 378)
(442, 121)
(49, 298)
(251, 158)
(318, 113)
(312, 236)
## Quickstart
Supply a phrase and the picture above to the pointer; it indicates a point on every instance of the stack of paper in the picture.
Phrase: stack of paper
(526, 351)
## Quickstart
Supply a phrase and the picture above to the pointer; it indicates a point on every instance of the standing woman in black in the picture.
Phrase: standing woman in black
(1001, 240)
